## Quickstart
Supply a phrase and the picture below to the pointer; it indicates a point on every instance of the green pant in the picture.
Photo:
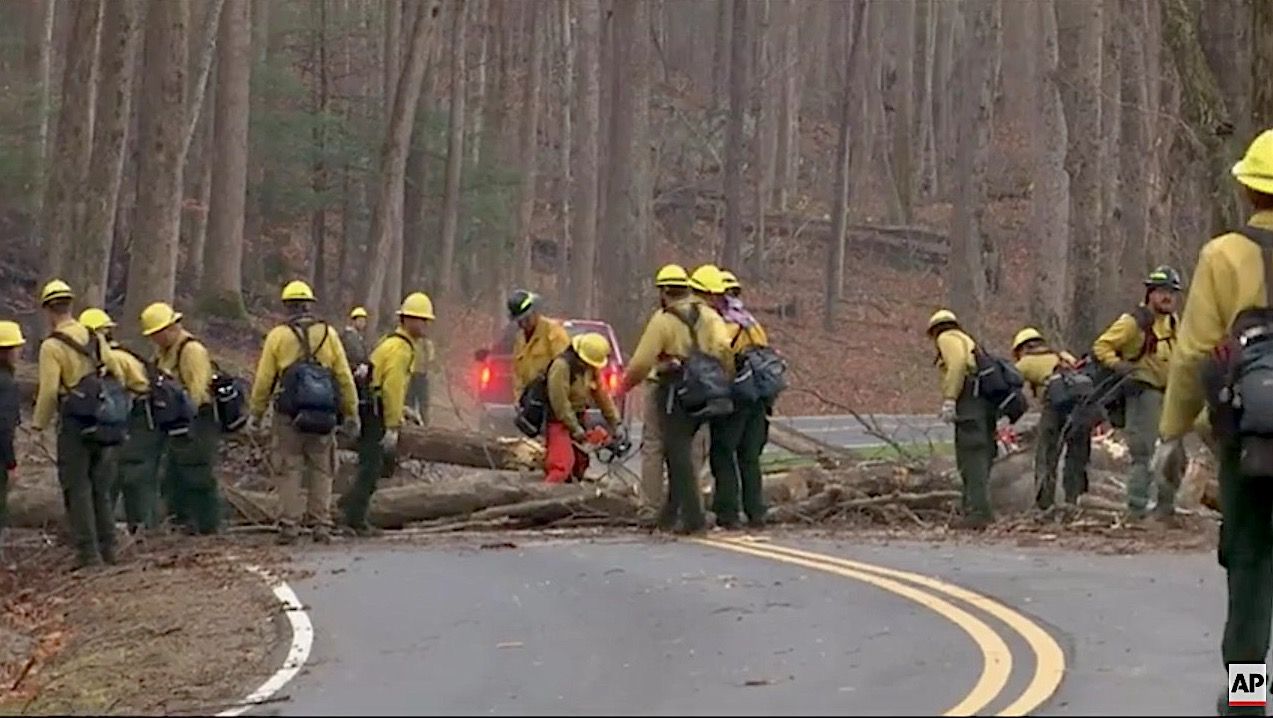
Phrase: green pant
(683, 503)
(138, 479)
(194, 496)
(736, 443)
(4, 497)
(1076, 438)
(1246, 553)
(86, 470)
(371, 461)
(1144, 406)
(975, 449)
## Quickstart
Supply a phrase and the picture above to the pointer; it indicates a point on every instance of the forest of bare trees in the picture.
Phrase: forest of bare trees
(208, 150)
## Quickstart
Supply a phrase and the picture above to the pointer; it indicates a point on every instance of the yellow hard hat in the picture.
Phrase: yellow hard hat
(942, 316)
(592, 348)
(729, 281)
(1028, 334)
(707, 279)
(358, 313)
(297, 291)
(1255, 169)
(11, 335)
(96, 319)
(158, 317)
(418, 305)
(672, 275)
(56, 289)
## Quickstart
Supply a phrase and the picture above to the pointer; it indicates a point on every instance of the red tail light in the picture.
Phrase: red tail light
(484, 377)
(612, 379)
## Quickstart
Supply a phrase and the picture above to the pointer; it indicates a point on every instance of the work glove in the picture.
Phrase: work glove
(389, 443)
(412, 415)
(947, 412)
(1164, 449)
(619, 434)
(351, 427)
(362, 371)
(254, 423)
(579, 436)
(1124, 368)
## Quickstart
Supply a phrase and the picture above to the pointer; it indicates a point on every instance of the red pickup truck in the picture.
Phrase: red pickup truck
(493, 375)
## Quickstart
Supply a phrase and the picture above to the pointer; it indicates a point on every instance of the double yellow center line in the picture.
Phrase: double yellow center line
(935, 594)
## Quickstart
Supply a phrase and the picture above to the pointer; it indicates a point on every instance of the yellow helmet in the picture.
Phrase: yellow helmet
(707, 279)
(942, 316)
(96, 319)
(56, 289)
(1255, 169)
(158, 317)
(297, 291)
(418, 305)
(592, 348)
(672, 275)
(11, 335)
(1028, 334)
(358, 313)
(729, 281)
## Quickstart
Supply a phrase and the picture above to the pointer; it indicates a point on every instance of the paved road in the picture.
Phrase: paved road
(848, 432)
(634, 625)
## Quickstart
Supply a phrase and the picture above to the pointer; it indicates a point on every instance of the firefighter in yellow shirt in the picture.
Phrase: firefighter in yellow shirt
(190, 484)
(666, 344)
(1231, 277)
(973, 417)
(383, 405)
(137, 470)
(315, 393)
(1138, 346)
(574, 381)
(1064, 421)
(539, 340)
(85, 456)
(670, 277)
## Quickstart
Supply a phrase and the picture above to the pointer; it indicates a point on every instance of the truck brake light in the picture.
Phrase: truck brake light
(484, 377)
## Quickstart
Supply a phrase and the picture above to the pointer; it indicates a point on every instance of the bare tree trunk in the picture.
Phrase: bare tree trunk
(1050, 199)
(1262, 64)
(927, 131)
(40, 47)
(483, 14)
(199, 86)
(949, 33)
(628, 209)
(529, 144)
(765, 142)
(1079, 32)
(417, 227)
(721, 52)
(95, 228)
(788, 151)
(566, 134)
(74, 143)
(392, 56)
(588, 116)
(1134, 152)
(318, 172)
(1224, 31)
(386, 218)
(152, 265)
(853, 27)
(904, 100)
(195, 223)
(454, 156)
(970, 253)
(1110, 276)
(734, 139)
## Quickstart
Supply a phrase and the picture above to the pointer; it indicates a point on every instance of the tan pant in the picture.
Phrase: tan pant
(305, 460)
(653, 475)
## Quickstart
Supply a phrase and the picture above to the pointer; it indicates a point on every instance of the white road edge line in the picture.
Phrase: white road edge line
(297, 655)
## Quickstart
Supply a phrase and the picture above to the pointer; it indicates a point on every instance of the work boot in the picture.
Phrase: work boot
(108, 556)
(369, 531)
(728, 523)
(757, 524)
(286, 535)
(973, 522)
(321, 534)
(86, 563)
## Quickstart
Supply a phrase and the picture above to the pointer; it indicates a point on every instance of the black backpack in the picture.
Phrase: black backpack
(308, 394)
(760, 373)
(229, 395)
(168, 405)
(703, 389)
(1239, 379)
(999, 382)
(532, 407)
(98, 401)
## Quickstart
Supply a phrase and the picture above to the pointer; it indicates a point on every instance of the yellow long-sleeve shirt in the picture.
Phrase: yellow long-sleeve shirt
(569, 395)
(532, 355)
(666, 336)
(61, 367)
(1123, 340)
(392, 361)
(1228, 279)
(741, 339)
(282, 349)
(1037, 368)
(188, 360)
(955, 361)
(135, 376)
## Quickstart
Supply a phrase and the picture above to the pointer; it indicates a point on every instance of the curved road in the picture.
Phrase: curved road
(478, 625)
